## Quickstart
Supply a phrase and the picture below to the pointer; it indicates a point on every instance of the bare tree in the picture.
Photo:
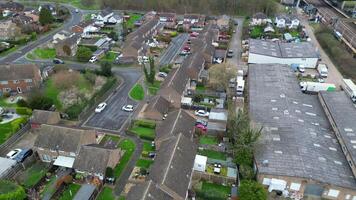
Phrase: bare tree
(219, 76)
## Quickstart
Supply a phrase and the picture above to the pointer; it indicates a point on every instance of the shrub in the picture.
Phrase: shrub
(145, 123)
(145, 154)
(147, 137)
(252, 190)
(109, 172)
(247, 172)
(83, 54)
(15, 191)
(22, 103)
(39, 101)
(23, 111)
(6, 94)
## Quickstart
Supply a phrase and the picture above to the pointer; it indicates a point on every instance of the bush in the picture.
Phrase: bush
(83, 54)
(23, 111)
(22, 103)
(109, 172)
(247, 172)
(6, 94)
(252, 190)
(145, 123)
(105, 68)
(147, 137)
(15, 192)
(40, 102)
(145, 154)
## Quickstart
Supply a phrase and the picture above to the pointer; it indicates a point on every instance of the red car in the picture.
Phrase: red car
(201, 127)
(187, 48)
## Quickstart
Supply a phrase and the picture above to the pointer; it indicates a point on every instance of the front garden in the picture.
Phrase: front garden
(206, 190)
(32, 175)
(106, 194)
(42, 53)
(145, 129)
(128, 146)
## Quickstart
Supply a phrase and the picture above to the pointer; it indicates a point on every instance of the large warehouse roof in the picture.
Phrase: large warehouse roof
(282, 49)
(343, 113)
(296, 139)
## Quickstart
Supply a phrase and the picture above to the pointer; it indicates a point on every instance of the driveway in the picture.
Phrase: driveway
(74, 19)
(113, 118)
(235, 45)
(173, 49)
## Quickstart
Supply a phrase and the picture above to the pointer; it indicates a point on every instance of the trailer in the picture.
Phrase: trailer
(315, 87)
(350, 89)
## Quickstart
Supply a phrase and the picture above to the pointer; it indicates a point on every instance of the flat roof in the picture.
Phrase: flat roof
(282, 49)
(343, 112)
(297, 140)
(64, 161)
(6, 164)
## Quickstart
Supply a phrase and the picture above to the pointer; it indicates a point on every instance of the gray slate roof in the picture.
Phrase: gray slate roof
(18, 72)
(296, 139)
(148, 191)
(176, 80)
(174, 164)
(45, 117)
(343, 112)
(194, 64)
(176, 122)
(282, 49)
(62, 138)
(158, 104)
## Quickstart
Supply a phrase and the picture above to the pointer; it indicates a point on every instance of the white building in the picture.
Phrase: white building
(268, 52)
(286, 21)
(200, 163)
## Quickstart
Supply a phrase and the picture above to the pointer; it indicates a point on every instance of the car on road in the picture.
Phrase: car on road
(58, 61)
(25, 153)
(202, 122)
(230, 53)
(13, 153)
(162, 74)
(76, 10)
(201, 127)
(202, 113)
(93, 59)
(127, 108)
(100, 107)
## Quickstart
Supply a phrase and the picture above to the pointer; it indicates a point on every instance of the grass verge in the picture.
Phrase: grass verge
(137, 93)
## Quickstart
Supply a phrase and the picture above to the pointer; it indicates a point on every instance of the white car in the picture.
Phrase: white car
(100, 107)
(202, 113)
(12, 154)
(162, 74)
(128, 108)
(93, 59)
(76, 10)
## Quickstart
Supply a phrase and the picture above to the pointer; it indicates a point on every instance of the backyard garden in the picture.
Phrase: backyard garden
(145, 129)
(211, 191)
(32, 175)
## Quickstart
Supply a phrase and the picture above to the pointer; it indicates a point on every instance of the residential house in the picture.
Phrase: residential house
(156, 109)
(148, 190)
(40, 117)
(174, 86)
(194, 65)
(223, 22)
(68, 46)
(19, 78)
(259, 19)
(21, 19)
(79, 28)
(193, 22)
(35, 17)
(135, 41)
(63, 143)
(107, 16)
(217, 121)
(93, 160)
(169, 19)
(9, 30)
(177, 122)
(287, 21)
(60, 36)
(12, 6)
(269, 28)
(90, 31)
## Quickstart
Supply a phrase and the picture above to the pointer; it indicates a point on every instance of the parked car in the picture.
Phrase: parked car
(127, 108)
(321, 80)
(202, 122)
(301, 68)
(217, 60)
(151, 154)
(202, 113)
(13, 153)
(93, 59)
(201, 127)
(164, 116)
(25, 153)
(230, 53)
(162, 74)
(58, 61)
(100, 107)
(76, 10)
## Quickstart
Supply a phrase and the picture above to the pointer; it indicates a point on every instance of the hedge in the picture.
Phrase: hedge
(23, 111)
(15, 192)
(145, 123)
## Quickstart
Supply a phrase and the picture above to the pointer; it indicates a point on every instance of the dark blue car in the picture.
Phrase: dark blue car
(23, 155)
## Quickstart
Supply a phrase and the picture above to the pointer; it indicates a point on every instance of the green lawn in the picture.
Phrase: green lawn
(200, 88)
(130, 23)
(52, 92)
(66, 195)
(46, 53)
(7, 187)
(143, 132)
(8, 129)
(33, 174)
(4, 103)
(110, 137)
(256, 32)
(87, 17)
(208, 140)
(147, 146)
(109, 57)
(106, 194)
(213, 191)
(143, 163)
(129, 147)
(137, 93)
(212, 154)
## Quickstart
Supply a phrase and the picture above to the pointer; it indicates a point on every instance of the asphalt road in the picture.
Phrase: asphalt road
(173, 49)
(235, 45)
(74, 19)
(113, 118)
